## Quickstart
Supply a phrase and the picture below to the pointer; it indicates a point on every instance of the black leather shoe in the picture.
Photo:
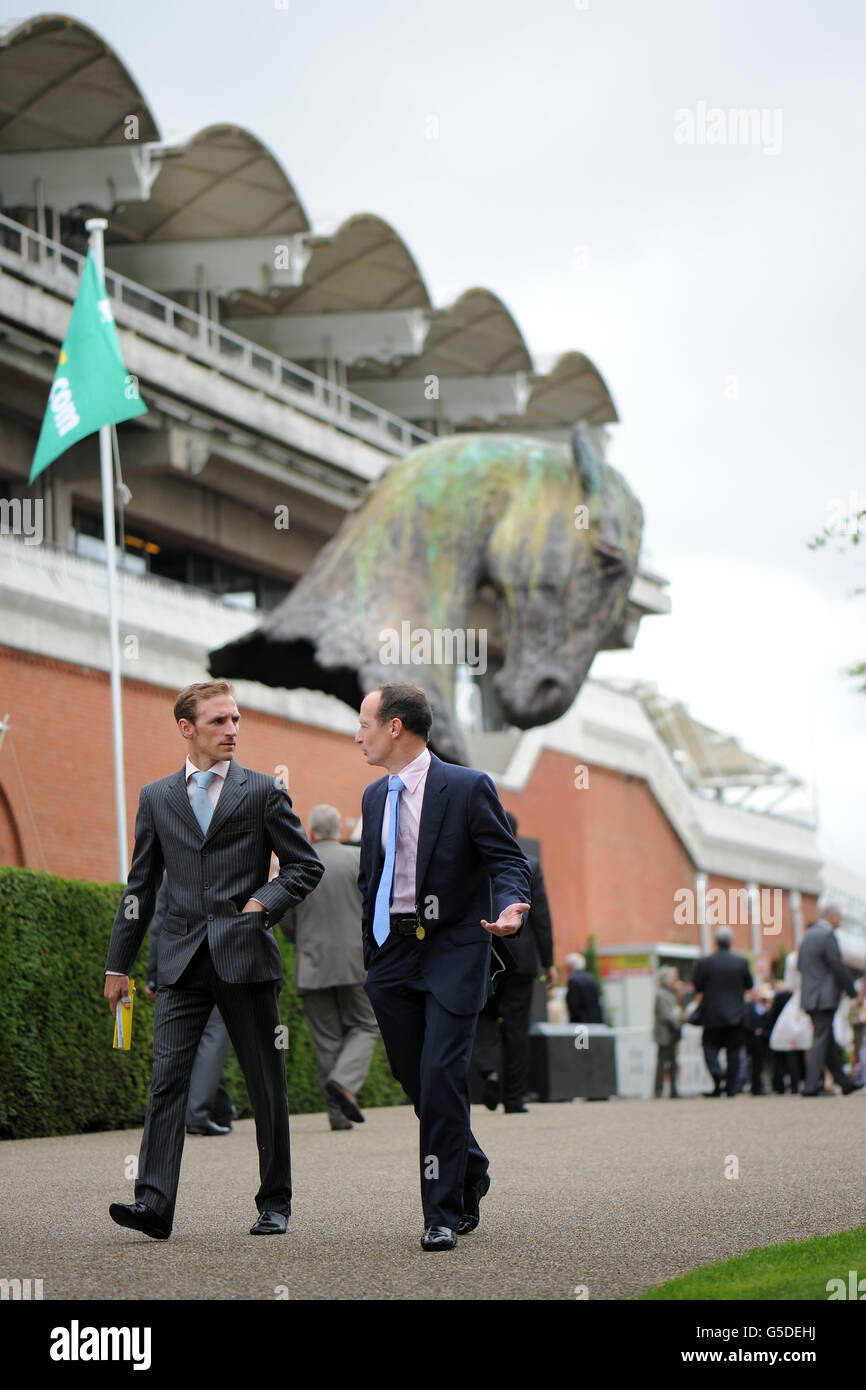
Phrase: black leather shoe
(137, 1217)
(517, 1109)
(438, 1238)
(471, 1204)
(209, 1127)
(490, 1095)
(270, 1223)
(225, 1117)
(346, 1101)
(813, 1095)
(851, 1086)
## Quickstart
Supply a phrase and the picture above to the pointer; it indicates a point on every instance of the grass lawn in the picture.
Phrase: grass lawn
(800, 1269)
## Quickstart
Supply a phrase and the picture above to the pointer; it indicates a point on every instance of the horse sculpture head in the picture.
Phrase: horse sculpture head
(554, 534)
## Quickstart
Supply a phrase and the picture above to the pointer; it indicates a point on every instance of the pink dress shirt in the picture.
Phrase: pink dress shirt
(414, 778)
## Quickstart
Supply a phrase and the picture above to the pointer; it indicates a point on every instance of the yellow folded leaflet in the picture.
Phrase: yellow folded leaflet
(123, 1021)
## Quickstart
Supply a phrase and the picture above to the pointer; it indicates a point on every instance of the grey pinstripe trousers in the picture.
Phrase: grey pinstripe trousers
(252, 1018)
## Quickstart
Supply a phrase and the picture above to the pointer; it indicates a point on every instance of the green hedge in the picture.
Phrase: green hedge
(58, 1071)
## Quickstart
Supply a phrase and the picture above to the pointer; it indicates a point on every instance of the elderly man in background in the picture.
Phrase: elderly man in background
(667, 1029)
(582, 997)
(329, 970)
(823, 978)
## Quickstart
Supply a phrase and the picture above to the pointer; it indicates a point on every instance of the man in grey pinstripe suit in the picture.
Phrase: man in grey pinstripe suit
(211, 827)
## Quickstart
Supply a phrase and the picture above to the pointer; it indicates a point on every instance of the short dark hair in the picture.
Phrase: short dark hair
(408, 703)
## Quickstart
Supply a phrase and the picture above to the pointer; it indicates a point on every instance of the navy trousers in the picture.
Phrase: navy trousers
(429, 1049)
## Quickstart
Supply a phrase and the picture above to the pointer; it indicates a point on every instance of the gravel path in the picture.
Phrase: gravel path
(611, 1196)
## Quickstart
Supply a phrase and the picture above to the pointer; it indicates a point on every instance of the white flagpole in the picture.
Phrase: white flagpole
(96, 227)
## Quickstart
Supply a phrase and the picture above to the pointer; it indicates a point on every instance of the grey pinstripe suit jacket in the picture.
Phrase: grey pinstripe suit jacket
(211, 876)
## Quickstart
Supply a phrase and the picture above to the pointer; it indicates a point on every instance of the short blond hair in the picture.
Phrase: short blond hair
(186, 704)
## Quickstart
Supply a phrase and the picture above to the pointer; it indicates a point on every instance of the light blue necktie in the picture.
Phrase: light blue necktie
(385, 894)
(201, 802)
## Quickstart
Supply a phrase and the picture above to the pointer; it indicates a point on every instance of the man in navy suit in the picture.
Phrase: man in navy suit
(437, 857)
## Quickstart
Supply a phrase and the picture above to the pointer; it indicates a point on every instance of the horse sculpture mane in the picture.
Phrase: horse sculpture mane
(555, 534)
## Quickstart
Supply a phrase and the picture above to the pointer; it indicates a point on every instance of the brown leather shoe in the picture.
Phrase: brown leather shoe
(346, 1101)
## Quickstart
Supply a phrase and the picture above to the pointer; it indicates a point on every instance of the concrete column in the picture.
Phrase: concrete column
(796, 902)
(701, 909)
(754, 897)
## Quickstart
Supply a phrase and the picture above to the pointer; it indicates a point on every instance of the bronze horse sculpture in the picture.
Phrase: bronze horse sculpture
(556, 536)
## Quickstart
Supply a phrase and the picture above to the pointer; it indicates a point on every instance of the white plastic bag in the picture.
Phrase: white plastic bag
(793, 1030)
(842, 1030)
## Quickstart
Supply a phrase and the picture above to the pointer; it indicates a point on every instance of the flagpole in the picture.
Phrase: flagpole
(96, 227)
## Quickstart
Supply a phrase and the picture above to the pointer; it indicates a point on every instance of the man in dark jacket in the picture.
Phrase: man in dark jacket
(721, 981)
(531, 952)
(434, 841)
(582, 997)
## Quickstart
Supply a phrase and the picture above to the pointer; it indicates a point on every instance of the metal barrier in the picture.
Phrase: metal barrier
(57, 268)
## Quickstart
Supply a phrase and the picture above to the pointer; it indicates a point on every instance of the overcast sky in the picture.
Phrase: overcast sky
(717, 286)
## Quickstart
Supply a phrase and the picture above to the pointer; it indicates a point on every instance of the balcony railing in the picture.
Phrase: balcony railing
(57, 268)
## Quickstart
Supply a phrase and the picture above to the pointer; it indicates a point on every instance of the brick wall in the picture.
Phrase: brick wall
(612, 862)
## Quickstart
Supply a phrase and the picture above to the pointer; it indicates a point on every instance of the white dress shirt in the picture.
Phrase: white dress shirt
(414, 779)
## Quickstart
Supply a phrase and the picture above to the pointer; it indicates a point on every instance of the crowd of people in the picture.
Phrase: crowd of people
(220, 858)
(792, 1036)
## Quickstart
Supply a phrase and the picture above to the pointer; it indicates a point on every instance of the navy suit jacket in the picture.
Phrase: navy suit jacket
(469, 866)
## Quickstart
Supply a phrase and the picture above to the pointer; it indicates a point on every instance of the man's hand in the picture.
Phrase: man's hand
(252, 906)
(551, 978)
(151, 994)
(509, 920)
(116, 988)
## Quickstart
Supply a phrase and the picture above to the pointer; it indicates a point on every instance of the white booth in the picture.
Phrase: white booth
(630, 978)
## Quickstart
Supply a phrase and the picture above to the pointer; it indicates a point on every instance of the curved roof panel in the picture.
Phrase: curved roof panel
(476, 336)
(363, 267)
(64, 87)
(222, 182)
(573, 389)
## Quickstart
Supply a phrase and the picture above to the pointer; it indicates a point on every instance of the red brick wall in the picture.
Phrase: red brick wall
(611, 860)
(60, 729)
(770, 943)
(612, 863)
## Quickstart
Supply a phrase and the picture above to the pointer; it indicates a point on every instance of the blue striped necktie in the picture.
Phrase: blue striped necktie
(201, 802)
(385, 893)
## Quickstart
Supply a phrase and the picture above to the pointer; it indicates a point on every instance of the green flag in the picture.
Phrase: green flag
(91, 387)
